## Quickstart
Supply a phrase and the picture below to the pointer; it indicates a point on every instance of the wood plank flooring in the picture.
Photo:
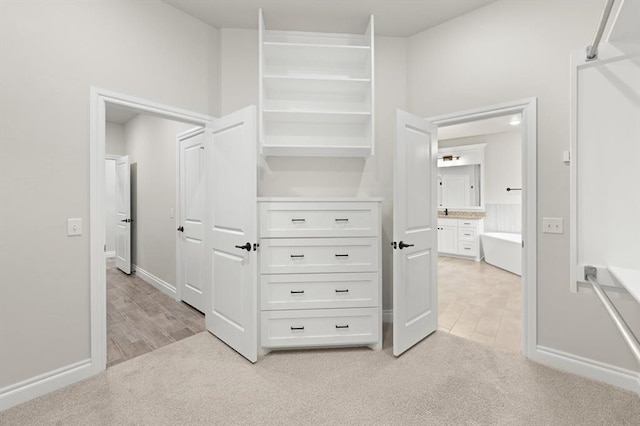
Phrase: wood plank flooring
(140, 318)
(479, 302)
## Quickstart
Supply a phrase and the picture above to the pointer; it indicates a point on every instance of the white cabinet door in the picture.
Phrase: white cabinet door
(232, 303)
(191, 221)
(123, 215)
(415, 298)
(448, 239)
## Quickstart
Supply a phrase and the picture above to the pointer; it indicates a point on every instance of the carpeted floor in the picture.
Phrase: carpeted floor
(443, 380)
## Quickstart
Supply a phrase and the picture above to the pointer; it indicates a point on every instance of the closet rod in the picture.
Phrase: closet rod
(591, 275)
(592, 51)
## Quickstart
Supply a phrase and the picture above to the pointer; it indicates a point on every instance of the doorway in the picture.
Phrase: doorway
(144, 181)
(152, 297)
(486, 225)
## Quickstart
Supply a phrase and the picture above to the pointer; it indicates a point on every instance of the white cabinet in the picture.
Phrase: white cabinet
(320, 281)
(448, 236)
(460, 237)
(316, 93)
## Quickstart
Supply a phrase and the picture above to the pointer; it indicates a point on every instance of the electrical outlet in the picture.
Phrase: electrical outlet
(553, 225)
(74, 227)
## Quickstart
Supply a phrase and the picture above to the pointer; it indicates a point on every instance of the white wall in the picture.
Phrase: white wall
(52, 52)
(280, 176)
(151, 147)
(502, 165)
(514, 50)
(114, 141)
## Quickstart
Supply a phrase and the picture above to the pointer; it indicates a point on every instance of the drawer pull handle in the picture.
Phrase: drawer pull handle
(467, 248)
(346, 290)
(297, 328)
(342, 219)
(297, 256)
(298, 220)
(297, 291)
(342, 255)
(342, 326)
(467, 235)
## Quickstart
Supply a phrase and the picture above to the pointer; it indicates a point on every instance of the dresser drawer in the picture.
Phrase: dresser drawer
(318, 255)
(467, 234)
(468, 223)
(282, 220)
(317, 291)
(467, 248)
(319, 327)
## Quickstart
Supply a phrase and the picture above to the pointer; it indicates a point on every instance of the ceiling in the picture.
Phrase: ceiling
(487, 126)
(119, 115)
(397, 18)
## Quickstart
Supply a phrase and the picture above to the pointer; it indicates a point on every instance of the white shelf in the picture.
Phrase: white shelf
(317, 116)
(316, 93)
(628, 278)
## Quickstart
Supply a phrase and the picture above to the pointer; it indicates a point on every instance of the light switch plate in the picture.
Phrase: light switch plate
(553, 225)
(74, 227)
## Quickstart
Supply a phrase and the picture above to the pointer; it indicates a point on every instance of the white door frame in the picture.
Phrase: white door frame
(99, 98)
(528, 109)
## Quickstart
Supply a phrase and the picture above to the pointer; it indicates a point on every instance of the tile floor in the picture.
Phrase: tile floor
(140, 318)
(480, 302)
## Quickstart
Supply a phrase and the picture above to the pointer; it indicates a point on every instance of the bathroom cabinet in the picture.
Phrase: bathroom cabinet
(316, 93)
(460, 237)
(319, 269)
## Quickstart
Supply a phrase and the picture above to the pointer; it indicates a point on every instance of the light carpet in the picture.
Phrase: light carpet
(443, 380)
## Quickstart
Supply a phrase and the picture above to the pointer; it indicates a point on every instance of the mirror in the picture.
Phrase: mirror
(461, 177)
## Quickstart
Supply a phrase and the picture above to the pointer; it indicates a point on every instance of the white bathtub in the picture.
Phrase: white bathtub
(503, 250)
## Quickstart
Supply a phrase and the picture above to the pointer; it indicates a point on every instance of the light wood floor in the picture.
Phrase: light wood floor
(140, 318)
(480, 302)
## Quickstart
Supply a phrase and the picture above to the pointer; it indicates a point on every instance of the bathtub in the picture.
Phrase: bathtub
(503, 250)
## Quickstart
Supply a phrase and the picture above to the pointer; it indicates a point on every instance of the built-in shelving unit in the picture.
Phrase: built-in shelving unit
(316, 93)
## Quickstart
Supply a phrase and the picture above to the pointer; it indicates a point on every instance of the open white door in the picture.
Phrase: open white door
(191, 191)
(123, 215)
(231, 307)
(415, 254)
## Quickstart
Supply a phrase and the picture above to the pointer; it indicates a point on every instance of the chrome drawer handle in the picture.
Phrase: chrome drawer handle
(298, 220)
(297, 291)
(342, 326)
(342, 291)
(342, 220)
(342, 255)
(297, 328)
(297, 256)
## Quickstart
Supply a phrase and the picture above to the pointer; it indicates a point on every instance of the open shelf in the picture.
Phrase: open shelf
(316, 93)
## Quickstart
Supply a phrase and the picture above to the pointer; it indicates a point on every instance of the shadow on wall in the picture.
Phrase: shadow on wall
(134, 211)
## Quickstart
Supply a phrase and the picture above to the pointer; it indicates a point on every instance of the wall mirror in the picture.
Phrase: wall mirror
(461, 177)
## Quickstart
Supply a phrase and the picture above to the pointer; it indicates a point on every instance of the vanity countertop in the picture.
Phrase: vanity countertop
(453, 214)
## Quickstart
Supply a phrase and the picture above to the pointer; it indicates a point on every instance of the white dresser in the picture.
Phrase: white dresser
(320, 280)
(460, 237)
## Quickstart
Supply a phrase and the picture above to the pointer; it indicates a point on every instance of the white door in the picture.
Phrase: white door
(415, 292)
(232, 305)
(123, 215)
(191, 192)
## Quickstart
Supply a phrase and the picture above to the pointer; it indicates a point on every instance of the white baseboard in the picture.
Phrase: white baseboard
(158, 283)
(589, 368)
(109, 254)
(387, 315)
(34, 387)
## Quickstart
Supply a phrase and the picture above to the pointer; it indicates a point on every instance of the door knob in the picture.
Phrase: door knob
(126, 220)
(402, 245)
(246, 247)
(181, 228)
